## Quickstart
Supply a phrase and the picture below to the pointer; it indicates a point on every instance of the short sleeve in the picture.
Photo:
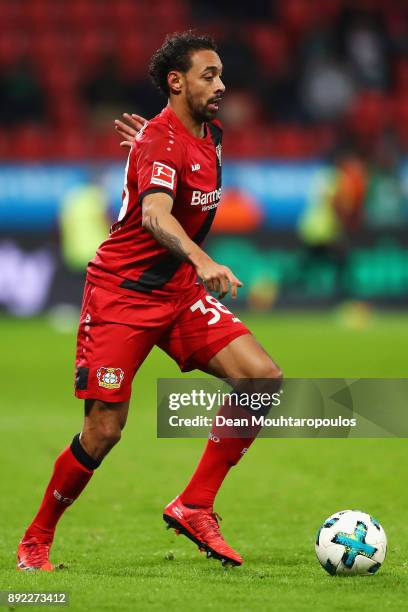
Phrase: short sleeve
(158, 165)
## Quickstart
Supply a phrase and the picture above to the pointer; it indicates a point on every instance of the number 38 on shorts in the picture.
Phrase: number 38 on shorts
(214, 310)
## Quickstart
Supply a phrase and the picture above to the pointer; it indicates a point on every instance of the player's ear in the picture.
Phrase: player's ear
(175, 82)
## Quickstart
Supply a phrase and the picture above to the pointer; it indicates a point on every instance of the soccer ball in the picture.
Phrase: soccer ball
(351, 542)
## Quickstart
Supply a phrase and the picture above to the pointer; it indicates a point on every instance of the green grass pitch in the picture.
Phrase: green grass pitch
(117, 553)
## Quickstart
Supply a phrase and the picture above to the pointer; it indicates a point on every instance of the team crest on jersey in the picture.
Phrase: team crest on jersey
(110, 378)
(218, 150)
(163, 175)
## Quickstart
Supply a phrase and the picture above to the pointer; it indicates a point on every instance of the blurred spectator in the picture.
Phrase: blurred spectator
(240, 212)
(351, 191)
(366, 47)
(239, 108)
(334, 210)
(83, 225)
(321, 232)
(385, 198)
(327, 89)
(319, 226)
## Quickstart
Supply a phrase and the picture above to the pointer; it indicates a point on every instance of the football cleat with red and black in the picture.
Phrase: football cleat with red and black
(33, 554)
(201, 525)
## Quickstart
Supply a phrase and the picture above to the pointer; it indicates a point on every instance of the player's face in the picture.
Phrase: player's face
(203, 87)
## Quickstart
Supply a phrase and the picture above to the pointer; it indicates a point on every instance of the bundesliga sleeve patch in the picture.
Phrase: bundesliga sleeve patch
(163, 175)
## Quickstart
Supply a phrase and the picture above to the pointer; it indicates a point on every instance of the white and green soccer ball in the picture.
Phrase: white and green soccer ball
(351, 542)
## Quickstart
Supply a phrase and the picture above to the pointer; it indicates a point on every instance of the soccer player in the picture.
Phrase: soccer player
(148, 285)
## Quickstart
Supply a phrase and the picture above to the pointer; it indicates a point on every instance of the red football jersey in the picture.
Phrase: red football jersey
(165, 157)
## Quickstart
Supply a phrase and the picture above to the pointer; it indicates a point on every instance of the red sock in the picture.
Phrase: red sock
(219, 456)
(224, 449)
(67, 482)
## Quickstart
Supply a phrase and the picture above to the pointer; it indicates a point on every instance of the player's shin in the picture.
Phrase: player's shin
(73, 469)
(227, 443)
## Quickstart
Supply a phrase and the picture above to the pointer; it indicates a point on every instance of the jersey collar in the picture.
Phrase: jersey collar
(175, 122)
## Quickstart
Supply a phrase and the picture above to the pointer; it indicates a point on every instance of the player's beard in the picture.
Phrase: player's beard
(199, 111)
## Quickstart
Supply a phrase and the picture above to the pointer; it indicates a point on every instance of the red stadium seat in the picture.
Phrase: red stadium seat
(401, 76)
(133, 54)
(67, 41)
(12, 48)
(5, 144)
(9, 16)
(328, 10)
(286, 142)
(168, 17)
(322, 140)
(401, 118)
(151, 18)
(370, 114)
(125, 13)
(52, 46)
(60, 79)
(68, 112)
(270, 45)
(88, 14)
(72, 145)
(297, 16)
(30, 143)
(42, 14)
(401, 110)
(92, 47)
(242, 142)
(105, 145)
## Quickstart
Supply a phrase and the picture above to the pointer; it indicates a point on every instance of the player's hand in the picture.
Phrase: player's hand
(128, 130)
(218, 278)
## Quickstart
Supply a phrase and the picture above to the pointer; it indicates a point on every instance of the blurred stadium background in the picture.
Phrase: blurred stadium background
(315, 200)
(314, 220)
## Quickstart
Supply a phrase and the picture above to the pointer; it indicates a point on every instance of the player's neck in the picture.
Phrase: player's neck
(195, 129)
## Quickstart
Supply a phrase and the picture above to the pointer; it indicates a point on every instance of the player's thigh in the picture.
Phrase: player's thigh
(202, 329)
(113, 341)
(243, 357)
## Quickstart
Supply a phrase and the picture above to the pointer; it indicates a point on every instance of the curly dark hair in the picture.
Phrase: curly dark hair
(175, 54)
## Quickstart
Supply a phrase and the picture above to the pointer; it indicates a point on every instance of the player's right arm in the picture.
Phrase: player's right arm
(129, 128)
(165, 228)
(159, 161)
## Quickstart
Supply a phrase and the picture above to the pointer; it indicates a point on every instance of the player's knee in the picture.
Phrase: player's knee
(109, 434)
(267, 369)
